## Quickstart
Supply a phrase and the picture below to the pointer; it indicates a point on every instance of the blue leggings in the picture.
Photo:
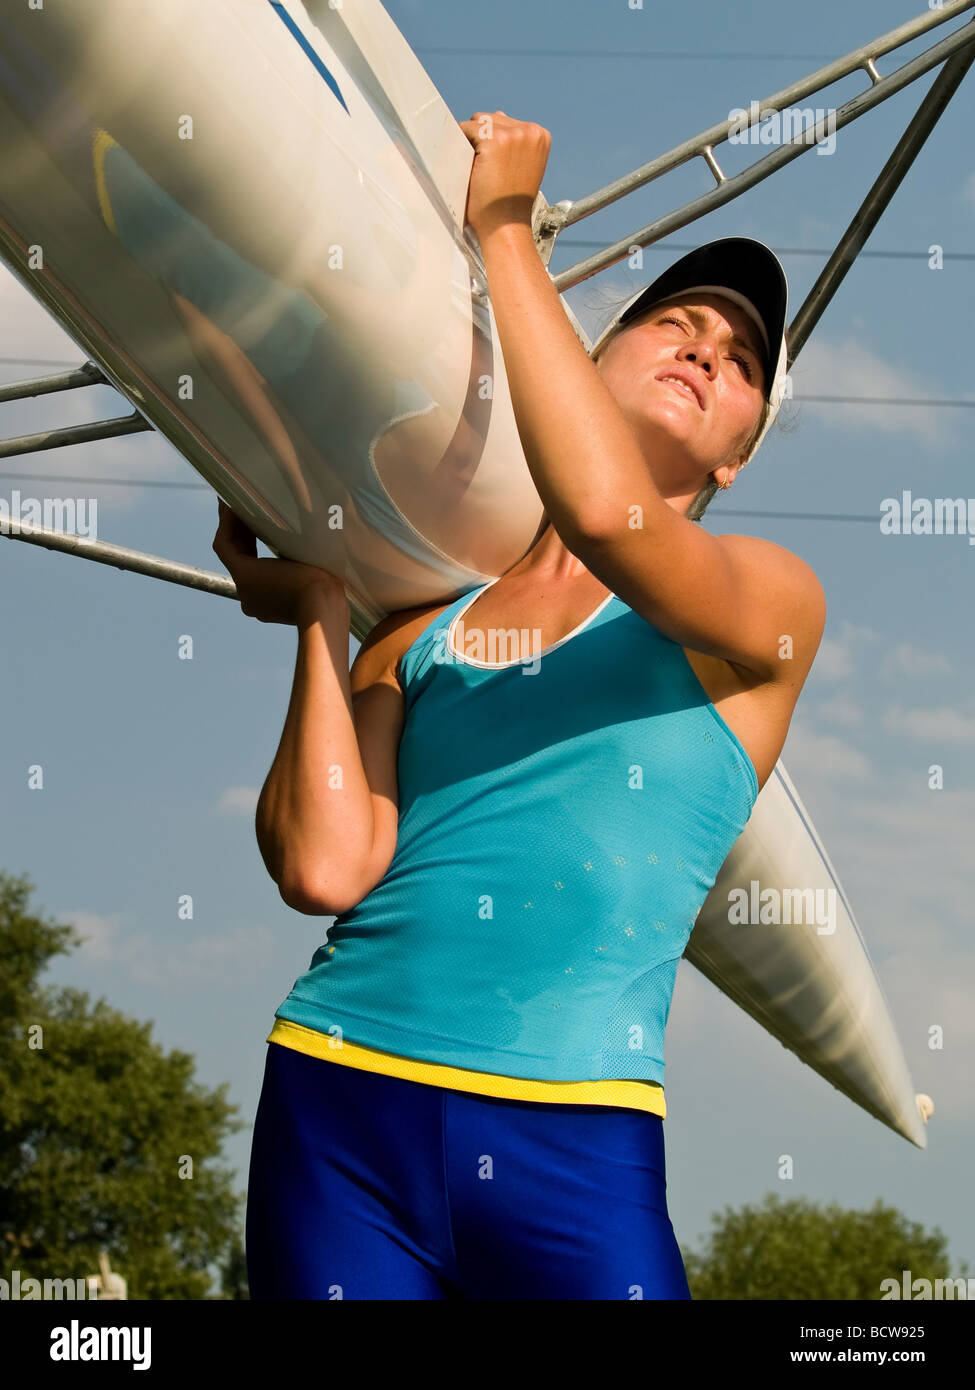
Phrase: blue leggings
(367, 1186)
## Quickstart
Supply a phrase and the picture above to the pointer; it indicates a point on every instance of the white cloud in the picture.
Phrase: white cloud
(903, 854)
(839, 656)
(101, 933)
(243, 953)
(37, 334)
(936, 725)
(908, 660)
(850, 369)
(833, 661)
(239, 801)
(840, 710)
(808, 753)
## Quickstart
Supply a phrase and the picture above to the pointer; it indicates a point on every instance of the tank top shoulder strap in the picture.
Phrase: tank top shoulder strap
(426, 650)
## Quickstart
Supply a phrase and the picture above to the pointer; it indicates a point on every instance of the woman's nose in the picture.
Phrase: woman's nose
(703, 355)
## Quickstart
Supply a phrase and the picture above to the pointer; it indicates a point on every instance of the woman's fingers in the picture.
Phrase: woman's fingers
(481, 125)
(510, 158)
(270, 590)
(238, 530)
(234, 539)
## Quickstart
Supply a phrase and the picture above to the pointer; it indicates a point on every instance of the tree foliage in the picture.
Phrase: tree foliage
(799, 1250)
(106, 1141)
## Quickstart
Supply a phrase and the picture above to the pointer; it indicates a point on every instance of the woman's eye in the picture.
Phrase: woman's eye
(735, 358)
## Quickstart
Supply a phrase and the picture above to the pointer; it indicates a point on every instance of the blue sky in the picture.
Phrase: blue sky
(153, 764)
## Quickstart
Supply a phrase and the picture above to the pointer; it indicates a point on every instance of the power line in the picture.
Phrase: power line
(654, 54)
(878, 400)
(204, 487)
(37, 362)
(798, 516)
(104, 482)
(582, 243)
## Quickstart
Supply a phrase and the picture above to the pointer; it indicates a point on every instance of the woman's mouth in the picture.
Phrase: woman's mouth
(683, 385)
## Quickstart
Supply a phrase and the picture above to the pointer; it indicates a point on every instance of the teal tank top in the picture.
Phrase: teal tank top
(561, 821)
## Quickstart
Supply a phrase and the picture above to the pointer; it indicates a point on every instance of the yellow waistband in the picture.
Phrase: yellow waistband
(631, 1095)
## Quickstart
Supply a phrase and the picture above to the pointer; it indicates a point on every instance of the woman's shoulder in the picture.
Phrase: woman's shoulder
(393, 636)
(777, 562)
(788, 581)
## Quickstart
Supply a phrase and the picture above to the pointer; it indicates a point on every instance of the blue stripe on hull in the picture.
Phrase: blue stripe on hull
(316, 61)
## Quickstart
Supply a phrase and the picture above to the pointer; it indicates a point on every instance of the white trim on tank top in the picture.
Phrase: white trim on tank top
(518, 661)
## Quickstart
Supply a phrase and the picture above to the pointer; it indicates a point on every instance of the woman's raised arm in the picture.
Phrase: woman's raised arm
(729, 597)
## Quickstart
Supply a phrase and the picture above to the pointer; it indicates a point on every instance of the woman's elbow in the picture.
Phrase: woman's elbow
(313, 898)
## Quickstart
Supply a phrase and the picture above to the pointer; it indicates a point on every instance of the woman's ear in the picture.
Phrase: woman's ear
(726, 474)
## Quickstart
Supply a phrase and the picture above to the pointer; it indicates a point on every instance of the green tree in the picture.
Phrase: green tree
(799, 1250)
(106, 1141)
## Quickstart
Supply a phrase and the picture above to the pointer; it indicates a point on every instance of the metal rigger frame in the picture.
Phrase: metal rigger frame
(956, 52)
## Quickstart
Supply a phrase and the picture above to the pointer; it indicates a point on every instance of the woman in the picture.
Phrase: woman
(516, 850)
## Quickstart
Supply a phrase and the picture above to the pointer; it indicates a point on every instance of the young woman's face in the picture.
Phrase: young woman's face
(713, 342)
